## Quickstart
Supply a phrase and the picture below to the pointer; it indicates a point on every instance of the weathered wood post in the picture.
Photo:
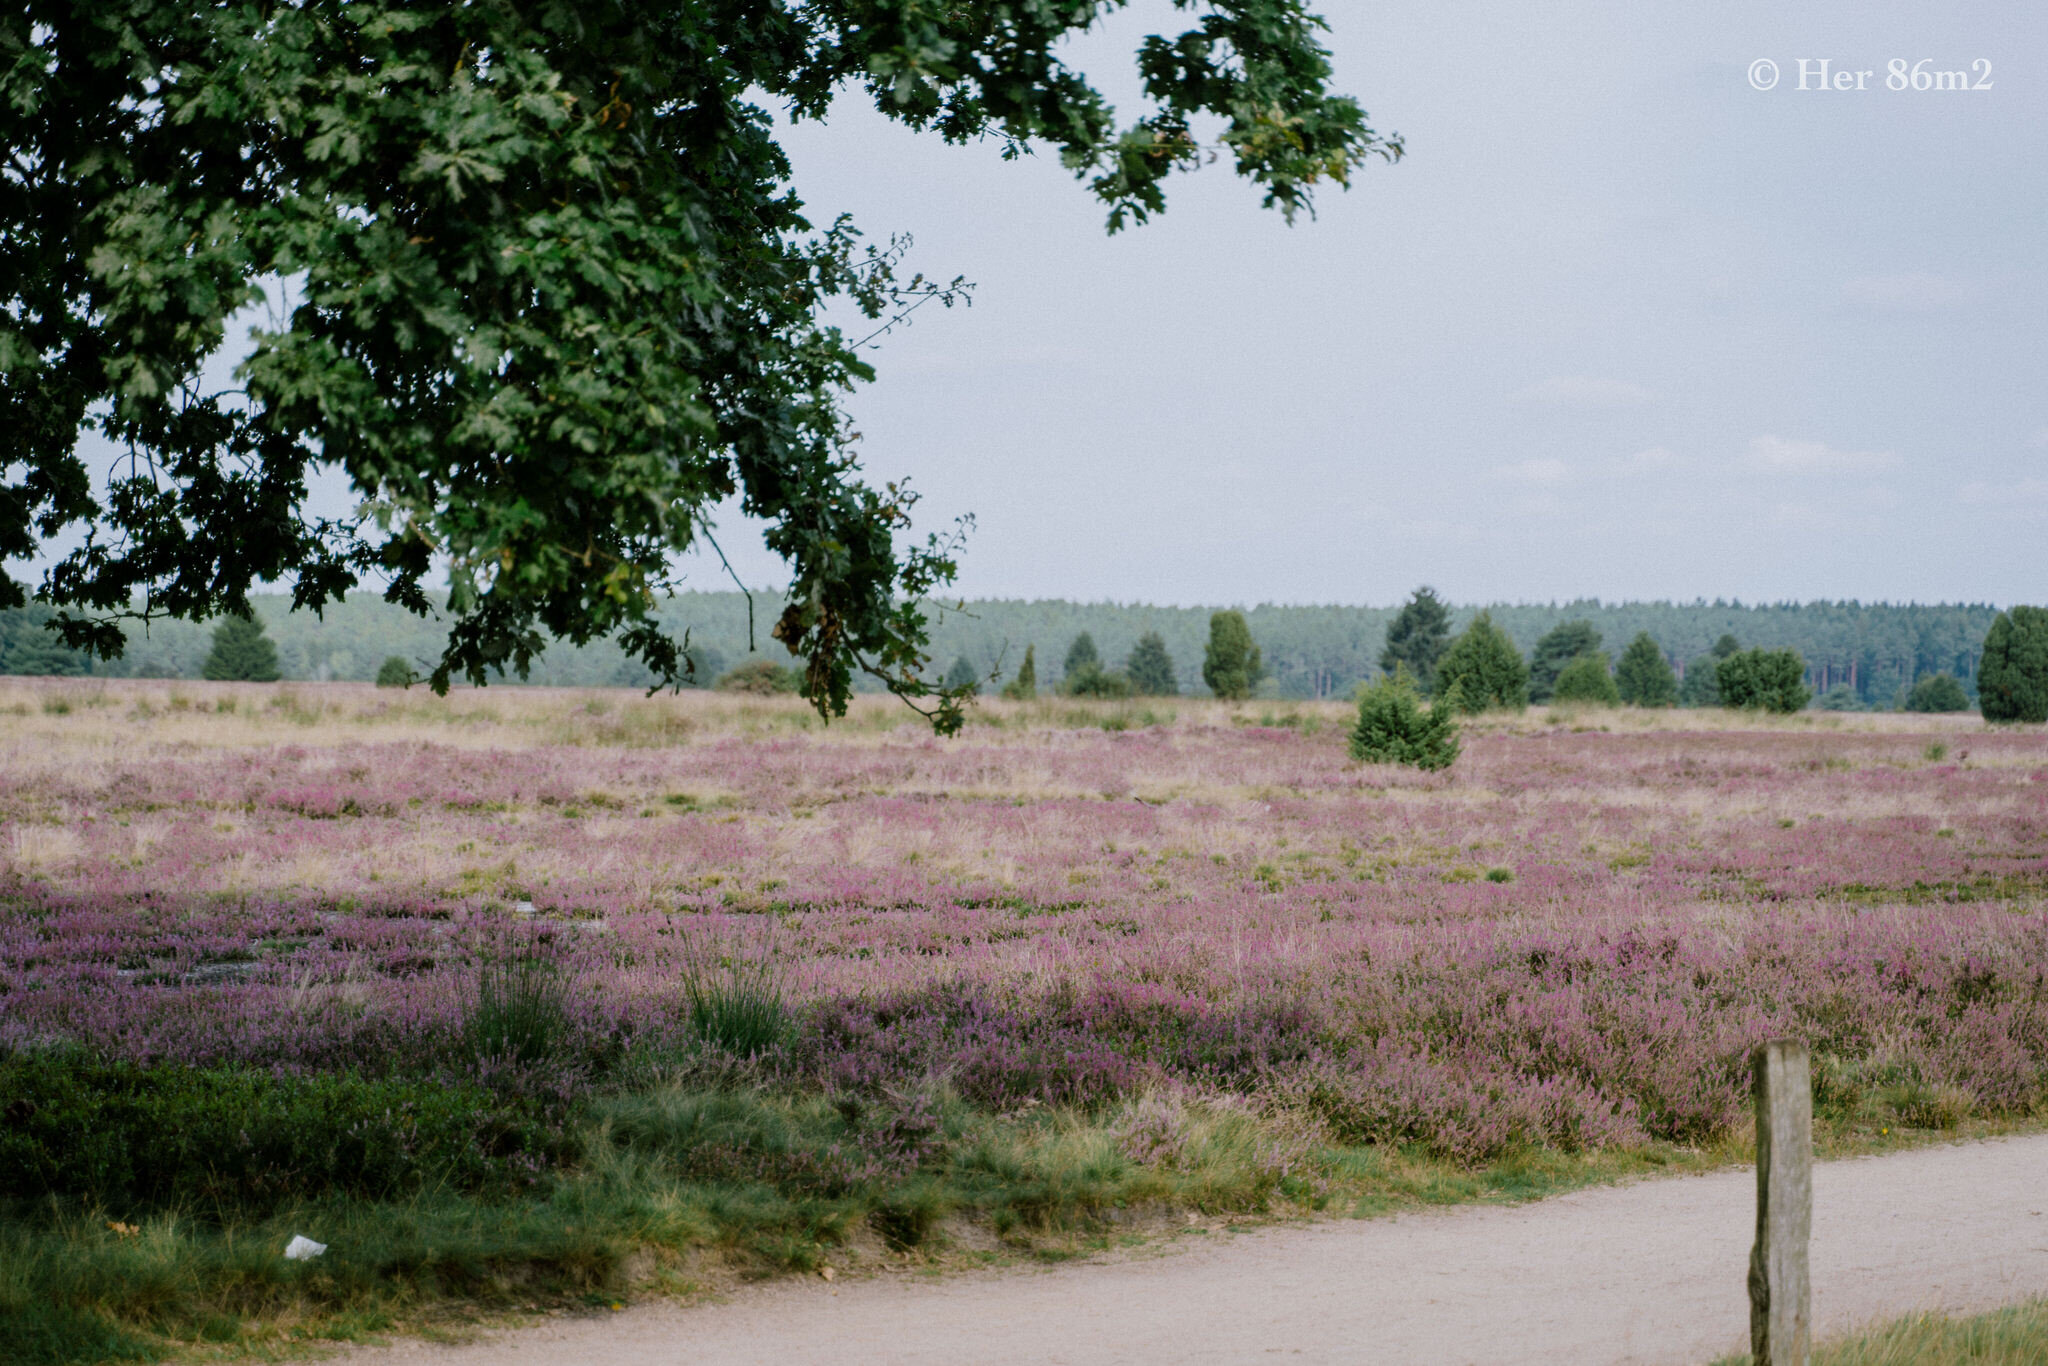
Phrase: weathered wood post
(1780, 1296)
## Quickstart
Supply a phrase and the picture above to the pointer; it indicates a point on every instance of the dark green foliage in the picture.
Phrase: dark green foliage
(1024, 686)
(1092, 680)
(1841, 697)
(1558, 647)
(28, 646)
(1586, 679)
(1725, 646)
(520, 1015)
(241, 653)
(1485, 669)
(1938, 692)
(1766, 680)
(1701, 687)
(130, 1137)
(394, 672)
(1416, 637)
(963, 678)
(762, 677)
(1394, 728)
(2012, 683)
(1151, 668)
(1643, 677)
(1081, 655)
(1231, 663)
(556, 295)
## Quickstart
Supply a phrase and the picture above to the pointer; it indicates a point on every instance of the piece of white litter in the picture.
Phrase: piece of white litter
(302, 1249)
(522, 908)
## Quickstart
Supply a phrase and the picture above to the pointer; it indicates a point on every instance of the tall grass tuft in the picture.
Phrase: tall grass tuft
(521, 1014)
(735, 1002)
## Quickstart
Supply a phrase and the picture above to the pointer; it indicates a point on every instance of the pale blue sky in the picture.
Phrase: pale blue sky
(1621, 326)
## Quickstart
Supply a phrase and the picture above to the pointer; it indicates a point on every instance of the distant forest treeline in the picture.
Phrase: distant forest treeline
(1878, 649)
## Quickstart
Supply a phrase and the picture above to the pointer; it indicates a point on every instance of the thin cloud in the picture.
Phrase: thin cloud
(1586, 391)
(1785, 455)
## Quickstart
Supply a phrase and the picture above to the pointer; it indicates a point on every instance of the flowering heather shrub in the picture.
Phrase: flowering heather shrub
(1039, 912)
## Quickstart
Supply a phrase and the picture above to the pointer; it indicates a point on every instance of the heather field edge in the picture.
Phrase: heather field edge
(622, 991)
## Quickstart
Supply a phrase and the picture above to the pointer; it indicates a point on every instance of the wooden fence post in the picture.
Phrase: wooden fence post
(1780, 1296)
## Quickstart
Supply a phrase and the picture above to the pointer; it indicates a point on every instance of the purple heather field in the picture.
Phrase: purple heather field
(1572, 937)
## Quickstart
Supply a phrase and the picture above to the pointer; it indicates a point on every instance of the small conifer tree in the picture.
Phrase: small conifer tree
(1586, 679)
(1485, 667)
(1024, 686)
(1643, 677)
(963, 674)
(1081, 655)
(1151, 668)
(2012, 678)
(241, 653)
(394, 672)
(1417, 635)
(1231, 664)
(1393, 727)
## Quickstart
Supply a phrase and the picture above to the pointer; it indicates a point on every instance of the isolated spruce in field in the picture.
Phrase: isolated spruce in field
(394, 672)
(1151, 668)
(241, 653)
(1394, 728)
(1586, 679)
(2012, 678)
(1417, 636)
(1763, 680)
(1024, 686)
(1081, 655)
(1938, 692)
(963, 674)
(1485, 668)
(1231, 664)
(1558, 647)
(1643, 677)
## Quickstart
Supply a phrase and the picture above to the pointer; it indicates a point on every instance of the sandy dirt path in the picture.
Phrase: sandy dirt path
(1647, 1273)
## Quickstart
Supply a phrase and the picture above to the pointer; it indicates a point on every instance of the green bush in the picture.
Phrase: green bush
(1024, 686)
(761, 677)
(1483, 669)
(1393, 728)
(1151, 669)
(2012, 678)
(130, 1137)
(1766, 680)
(1937, 692)
(735, 1002)
(1092, 680)
(1643, 677)
(520, 1014)
(394, 672)
(1231, 663)
(1841, 697)
(1586, 679)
